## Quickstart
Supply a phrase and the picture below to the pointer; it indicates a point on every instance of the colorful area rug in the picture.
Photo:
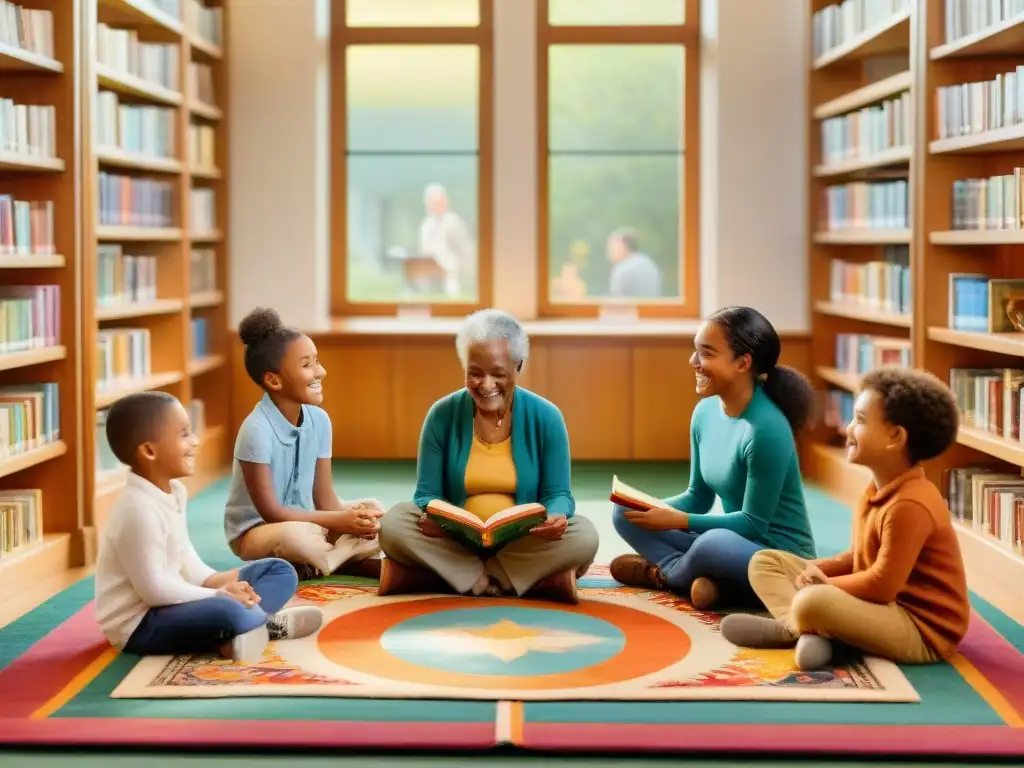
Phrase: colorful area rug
(618, 644)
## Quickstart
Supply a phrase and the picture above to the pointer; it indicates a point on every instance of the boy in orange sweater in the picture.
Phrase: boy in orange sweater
(900, 591)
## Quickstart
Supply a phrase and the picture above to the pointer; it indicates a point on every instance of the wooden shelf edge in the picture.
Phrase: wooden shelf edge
(204, 110)
(999, 343)
(37, 356)
(205, 47)
(842, 379)
(977, 237)
(47, 261)
(126, 82)
(114, 232)
(19, 462)
(983, 538)
(140, 309)
(1011, 451)
(894, 28)
(1005, 139)
(120, 158)
(13, 161)
(107, 397)
(14, 58)
(50, 556)
(206, 299)
(200, 365)
(987, 39)
(896, 156)
(144, 11)
(864, 314)
(862, 97)
(863, 237)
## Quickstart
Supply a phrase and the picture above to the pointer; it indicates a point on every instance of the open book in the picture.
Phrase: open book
(629, 497)
(500, 528)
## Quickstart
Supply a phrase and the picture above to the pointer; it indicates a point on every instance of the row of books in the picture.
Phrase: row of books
(134, 201)
(968, 17)
(200, 338)
(26, 28)
(203, 209)
(202, 273)
(867, 205)
(201, 142)
(988, 501)
(835, 25)
(29, 417)
(989, 399)
(868, 131)
(28, 129)
(122, 278)
(879, 285)
(26, 227)
(21, 520)
(122, 50)
(995, 202)
(205, 23)
(861, 352)
(123, 356)
(980, 304)
(29, 317)
(837, 409)
(200, 82)
(969, 108)
(141, 128)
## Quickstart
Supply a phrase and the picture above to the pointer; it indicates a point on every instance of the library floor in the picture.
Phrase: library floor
(391, 482)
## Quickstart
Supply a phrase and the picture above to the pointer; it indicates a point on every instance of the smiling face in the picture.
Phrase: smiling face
(491, 375)
(870, 439)
(300, 377)
(173, 453)
(714, 364)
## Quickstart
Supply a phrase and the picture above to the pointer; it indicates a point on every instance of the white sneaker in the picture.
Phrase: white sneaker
(295, 623)
(249, 646)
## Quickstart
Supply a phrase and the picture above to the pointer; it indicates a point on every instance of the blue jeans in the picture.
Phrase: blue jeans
(204, 625)
(719, 554)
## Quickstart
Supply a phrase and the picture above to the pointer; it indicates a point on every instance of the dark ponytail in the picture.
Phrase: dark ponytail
(748, 332)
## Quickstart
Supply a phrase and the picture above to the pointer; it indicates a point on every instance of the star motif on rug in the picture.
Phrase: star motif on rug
(507, 641)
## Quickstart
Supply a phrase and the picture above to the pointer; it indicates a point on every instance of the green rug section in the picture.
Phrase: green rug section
(946, 697)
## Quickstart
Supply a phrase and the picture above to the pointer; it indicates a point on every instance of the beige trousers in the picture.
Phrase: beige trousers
(306, 543)
(828, 611)
(525, 561)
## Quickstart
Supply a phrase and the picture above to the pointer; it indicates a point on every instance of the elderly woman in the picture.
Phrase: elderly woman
(484, 448)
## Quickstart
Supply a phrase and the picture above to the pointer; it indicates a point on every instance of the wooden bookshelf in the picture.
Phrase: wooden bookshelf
(45, 76)
(165, 311)
(940, 244)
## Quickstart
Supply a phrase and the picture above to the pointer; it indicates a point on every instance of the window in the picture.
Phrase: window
(618, 178)
(410, 155)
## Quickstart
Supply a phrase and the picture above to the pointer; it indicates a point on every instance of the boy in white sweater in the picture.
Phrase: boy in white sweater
(154, 595)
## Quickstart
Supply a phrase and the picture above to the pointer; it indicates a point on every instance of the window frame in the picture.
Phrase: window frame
(343, 36)
(687, 35)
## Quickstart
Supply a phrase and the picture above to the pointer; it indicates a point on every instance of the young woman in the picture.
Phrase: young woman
(282, 502)
(742, 450)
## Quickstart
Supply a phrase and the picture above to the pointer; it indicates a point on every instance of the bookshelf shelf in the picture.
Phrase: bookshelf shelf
(1003, 39)
(977, 237)
(11, 161)
(106, 398)
(201, 365)
(897, 156)
(142, 13)
(863, 237)
(14, 59)
(138, 234)
(12, 360)
(120, 159)
(871, 93)
(204, 173)
(891, 37)
(141, 309)
(1007, 139)
(847, 381)
(864, 314)
(32, 262)
(1011, 451)
(998, 343)
(990, 541)
(34, 563)
(19, 462)
(123, 82)
(206, 237)
(205, 111)
(206, 299)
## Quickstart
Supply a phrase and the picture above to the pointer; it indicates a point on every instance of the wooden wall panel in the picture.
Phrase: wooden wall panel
(663, 397)
(423, 372)
(358, 393)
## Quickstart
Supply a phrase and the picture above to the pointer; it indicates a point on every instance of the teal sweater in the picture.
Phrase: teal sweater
(750, 463)
(540, 450)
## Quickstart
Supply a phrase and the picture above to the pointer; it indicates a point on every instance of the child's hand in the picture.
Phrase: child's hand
(812, 574)
(242, 592)
(353, 520)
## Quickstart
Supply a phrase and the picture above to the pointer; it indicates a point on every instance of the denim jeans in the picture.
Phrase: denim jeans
(719, 554)
(204, 625)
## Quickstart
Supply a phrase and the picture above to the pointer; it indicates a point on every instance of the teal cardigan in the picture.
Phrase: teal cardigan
(540, 451)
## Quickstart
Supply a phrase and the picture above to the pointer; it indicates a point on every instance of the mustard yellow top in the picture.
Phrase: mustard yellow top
(490, 478)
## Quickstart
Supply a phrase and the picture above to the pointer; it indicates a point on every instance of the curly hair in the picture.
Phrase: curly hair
(921, 404)
(266, 338)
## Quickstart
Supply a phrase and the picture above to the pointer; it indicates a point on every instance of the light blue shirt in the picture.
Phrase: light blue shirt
(267, 437)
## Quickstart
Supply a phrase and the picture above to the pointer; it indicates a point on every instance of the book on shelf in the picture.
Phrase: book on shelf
(141, 129)
(123, 355)
(124, 279)
(29, 317)
(837, 408)
(26, 227)
(205, 23)
(135, 202)
(989, 203)
(500, 528)
(28, 129)
(204, 209)
(868, 131)
(200, 343)
(200, 83)
(627, 496)
(839, 23)
(202, 142)
(882, 285)
(989, 502)
(989, 399)
(964, 109)
(202, 272)
(122, 51)
(980, 304)
(28, 29)
(106, 461)
(29, 417)
(866, 205)
(21, 520)
(858, 353)
(962, 18)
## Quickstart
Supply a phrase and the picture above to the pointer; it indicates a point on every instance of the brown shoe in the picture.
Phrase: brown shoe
(634, 571)
(703, 593)
(368, 568)
(558, 588)
(398, 579)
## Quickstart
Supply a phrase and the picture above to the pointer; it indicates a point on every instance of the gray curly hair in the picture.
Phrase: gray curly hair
(492, 325)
